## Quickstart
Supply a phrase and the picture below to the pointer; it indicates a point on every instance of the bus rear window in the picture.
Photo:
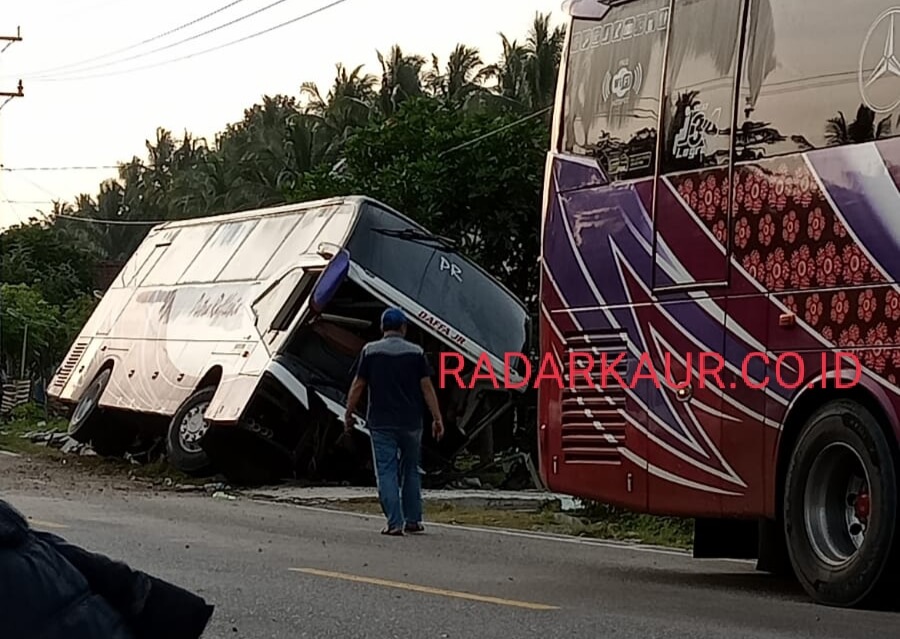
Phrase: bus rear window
(612, 92)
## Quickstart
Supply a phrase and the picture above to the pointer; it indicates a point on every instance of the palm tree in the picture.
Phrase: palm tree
(461, 80)
(348, 106)
(544, 48)
(349, 101)
(510, 72)
(526, 74)
(401, 78)
(258, 151)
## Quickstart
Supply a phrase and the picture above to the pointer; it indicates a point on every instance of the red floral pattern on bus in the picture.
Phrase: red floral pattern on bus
(785, 234)
(862, 318)
(788, 238)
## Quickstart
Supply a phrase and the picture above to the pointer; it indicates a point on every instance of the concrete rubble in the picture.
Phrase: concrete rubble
(493, 499)
(56, 439)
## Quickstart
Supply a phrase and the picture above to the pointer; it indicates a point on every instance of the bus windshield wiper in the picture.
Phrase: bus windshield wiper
(420, 237)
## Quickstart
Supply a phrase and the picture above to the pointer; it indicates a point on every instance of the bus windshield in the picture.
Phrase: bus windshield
(430, 271)
(613, 77)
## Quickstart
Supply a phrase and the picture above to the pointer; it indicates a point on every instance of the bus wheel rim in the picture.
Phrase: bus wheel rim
(193, 427)
(837, 504)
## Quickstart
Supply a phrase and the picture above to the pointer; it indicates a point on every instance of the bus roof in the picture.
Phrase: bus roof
(356, 200)
(258, 213)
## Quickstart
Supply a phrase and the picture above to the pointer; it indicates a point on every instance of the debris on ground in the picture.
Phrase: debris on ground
(59, 440)
(511, 470)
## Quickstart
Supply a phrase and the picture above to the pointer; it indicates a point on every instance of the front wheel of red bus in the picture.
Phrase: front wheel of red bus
(840, 507)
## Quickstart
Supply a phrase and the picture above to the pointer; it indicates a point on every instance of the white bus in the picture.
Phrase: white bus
(240, 332)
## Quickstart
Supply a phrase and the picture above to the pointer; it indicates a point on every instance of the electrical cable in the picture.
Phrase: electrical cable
(44, 72)
(95, 220)
(49, 76)
(18, 169)
(309, 14)
(489, 134)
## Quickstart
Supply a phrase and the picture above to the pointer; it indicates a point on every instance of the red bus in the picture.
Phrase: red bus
(722, 206)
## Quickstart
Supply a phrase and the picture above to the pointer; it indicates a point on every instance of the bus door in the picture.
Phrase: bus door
(692, 208)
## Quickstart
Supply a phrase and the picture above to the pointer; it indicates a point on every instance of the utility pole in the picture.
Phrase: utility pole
(20, 91)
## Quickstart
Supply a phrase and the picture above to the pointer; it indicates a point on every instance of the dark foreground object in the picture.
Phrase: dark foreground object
(52, 589)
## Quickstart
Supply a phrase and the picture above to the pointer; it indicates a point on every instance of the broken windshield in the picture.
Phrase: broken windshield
(453, 289)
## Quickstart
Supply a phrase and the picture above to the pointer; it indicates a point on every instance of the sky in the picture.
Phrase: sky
(89, 103)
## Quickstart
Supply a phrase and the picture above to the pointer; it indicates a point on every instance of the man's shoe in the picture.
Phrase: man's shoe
(414, 528)
(393, 532)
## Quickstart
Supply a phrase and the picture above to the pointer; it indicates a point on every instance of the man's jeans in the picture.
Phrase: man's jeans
(396, 455)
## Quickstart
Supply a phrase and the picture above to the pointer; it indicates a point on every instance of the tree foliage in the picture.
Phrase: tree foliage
(56, 260)
(25, 314)
(487, 196)
(444, 141)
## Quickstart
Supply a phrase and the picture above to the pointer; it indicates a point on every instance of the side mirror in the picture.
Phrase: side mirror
(329, 281)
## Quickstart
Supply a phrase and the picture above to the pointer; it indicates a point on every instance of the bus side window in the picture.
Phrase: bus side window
(276, 309)
(700, 84)
(818, 75)
(296, 300)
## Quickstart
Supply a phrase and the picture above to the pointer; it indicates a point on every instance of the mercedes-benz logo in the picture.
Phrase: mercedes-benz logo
(881, 55)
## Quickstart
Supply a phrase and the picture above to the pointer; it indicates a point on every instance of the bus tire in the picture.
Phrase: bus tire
(185, 431)
(840, 507)
(85, 419)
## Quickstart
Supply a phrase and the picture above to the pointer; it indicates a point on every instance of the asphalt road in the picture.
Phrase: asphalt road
(281, 571)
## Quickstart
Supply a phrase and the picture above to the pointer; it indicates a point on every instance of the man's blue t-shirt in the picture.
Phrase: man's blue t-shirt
(393, 369)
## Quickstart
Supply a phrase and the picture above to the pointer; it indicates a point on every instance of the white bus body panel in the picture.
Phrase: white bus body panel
(188, 302)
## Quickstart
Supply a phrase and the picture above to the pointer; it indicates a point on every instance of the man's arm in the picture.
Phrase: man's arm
(360, 375)
(431, 398)
(356, 391)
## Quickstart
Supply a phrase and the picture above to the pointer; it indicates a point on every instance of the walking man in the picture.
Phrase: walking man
(398, 378)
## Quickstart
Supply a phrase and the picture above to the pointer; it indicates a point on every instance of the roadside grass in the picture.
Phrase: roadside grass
(596, 521)
(29, 418)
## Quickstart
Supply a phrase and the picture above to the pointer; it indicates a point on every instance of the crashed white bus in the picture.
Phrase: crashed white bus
(240, 332)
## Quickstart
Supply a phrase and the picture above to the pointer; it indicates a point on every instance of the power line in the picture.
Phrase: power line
(55, 196)
(134, 46)
(95, 220)
(495, 132)
(309, 14)
(49, 77)
(19, 169)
